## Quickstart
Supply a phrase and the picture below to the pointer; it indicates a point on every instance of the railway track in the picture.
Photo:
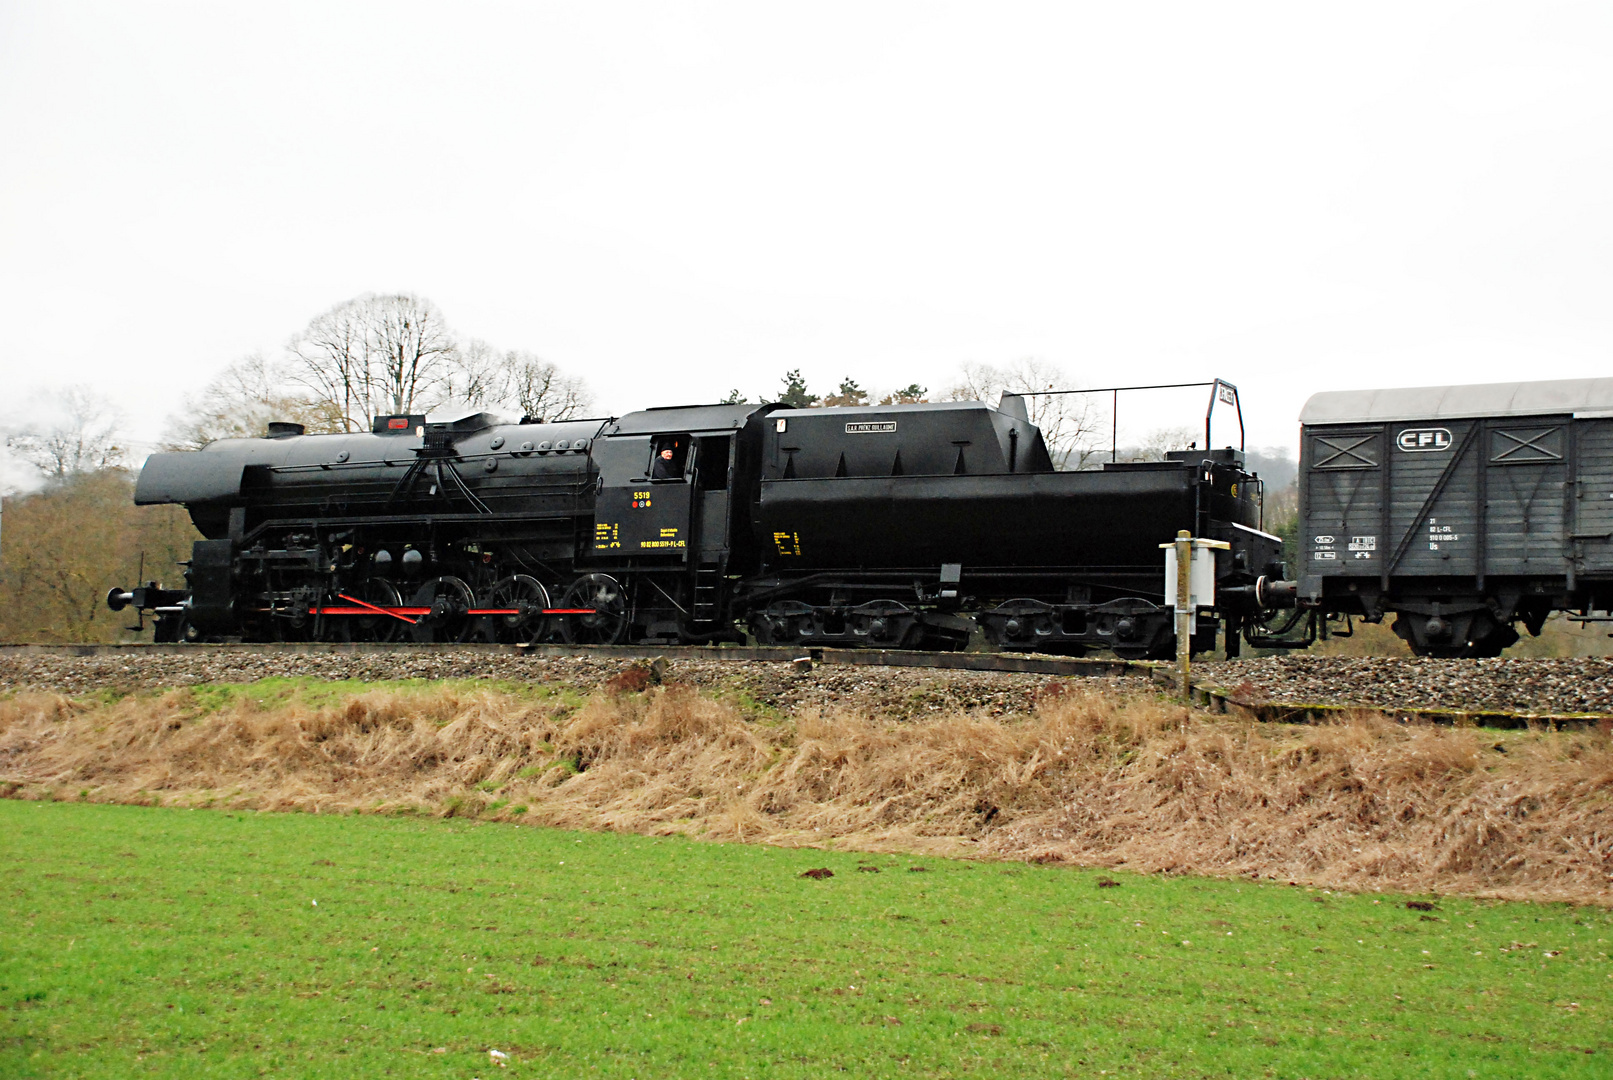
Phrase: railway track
(909, 658)
(1205, 693)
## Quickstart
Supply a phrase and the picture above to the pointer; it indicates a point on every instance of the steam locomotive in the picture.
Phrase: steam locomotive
(894, 526)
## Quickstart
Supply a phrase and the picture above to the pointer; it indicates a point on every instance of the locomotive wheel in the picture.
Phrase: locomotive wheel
(381, 593)
(527, 594)
(449, 598)
(608, 624)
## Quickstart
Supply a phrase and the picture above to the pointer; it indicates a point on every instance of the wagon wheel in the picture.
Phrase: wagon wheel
(1164, 650)
(527, 595)
(377, 627)
(449, 599)
(608, 600)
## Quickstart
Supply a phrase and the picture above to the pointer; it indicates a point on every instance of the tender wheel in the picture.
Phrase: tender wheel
(528, 597)
(608, 600)
(449, 599)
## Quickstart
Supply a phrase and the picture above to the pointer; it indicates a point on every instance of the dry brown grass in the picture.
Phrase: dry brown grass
(1087, 778)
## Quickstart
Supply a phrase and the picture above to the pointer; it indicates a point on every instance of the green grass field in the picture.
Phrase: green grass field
(147, 942)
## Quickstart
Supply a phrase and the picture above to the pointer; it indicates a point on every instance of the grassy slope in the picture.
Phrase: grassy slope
(140, 942)
(1088, 777)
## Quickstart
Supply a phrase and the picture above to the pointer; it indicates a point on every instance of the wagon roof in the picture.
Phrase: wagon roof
(1457, 402)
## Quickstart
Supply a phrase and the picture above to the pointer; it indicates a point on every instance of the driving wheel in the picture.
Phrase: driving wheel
(527, 596)
(449, 600)
(378, 627)
(604, 596)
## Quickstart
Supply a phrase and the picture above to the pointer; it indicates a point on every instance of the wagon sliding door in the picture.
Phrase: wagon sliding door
(1435, 510)
(1521, 530)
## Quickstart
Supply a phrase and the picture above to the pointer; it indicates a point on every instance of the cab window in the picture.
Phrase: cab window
(669, 456)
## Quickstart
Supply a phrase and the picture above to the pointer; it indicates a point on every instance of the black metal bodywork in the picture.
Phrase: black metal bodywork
(889, 526)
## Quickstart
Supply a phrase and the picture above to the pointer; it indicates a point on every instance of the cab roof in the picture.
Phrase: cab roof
(690, 418)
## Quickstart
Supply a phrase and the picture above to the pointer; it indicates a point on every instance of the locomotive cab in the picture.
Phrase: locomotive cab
(674, 522)
(645, 515)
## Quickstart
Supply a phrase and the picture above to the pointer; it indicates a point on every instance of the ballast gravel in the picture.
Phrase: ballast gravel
(757, 686)
(1558, 687)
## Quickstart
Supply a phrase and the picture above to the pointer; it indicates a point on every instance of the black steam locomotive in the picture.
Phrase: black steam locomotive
(903, 526)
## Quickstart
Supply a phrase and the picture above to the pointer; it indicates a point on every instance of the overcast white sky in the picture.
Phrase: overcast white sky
(675, 199)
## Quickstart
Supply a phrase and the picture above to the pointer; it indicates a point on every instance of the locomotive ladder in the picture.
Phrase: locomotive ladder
(707, 593)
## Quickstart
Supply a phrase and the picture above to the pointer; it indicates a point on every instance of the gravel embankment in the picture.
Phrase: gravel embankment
(884, 691)
(1555, 687)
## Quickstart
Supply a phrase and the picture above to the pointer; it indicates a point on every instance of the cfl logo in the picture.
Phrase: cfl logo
(1422, 440)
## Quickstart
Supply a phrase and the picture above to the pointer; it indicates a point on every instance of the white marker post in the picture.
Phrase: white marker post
(1188, 592)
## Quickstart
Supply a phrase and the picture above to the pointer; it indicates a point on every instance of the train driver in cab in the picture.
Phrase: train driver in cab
(669, 459)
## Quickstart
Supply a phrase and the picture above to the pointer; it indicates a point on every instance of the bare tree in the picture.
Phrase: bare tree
(376, 354)
(544, 391)
(79, 435)
(1066, 420)
(522, 383)
(395, 354)
(479, 376)
(415, 350)
(241, 402)
(330, 359)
